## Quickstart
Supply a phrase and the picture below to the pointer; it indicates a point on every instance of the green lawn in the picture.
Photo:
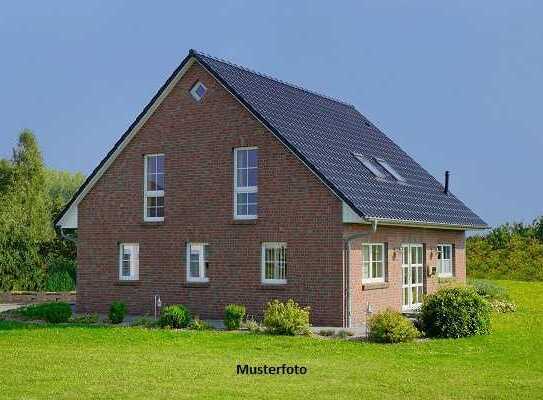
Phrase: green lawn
(70, 362)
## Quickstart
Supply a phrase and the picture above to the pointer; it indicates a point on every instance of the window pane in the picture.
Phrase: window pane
(151, 201)
(405, 296)
(242, 178)
(251, 209)
(420, 270)
(160, 164)
(405, 276)
(405, 255)
(413, 255)
(151, 212)
(242, 198)
(365, 253)
(419, 255)
(379, 269)
(242, 158)
(373, 270)
(378, 255)
(251, 177)
(151, 182)
(160, 212)
(159, 181)
(151, 165)
(366, 269)
(252, 156)
(159, 201)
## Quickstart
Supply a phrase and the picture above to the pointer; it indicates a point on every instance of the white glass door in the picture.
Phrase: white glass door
(412, 276)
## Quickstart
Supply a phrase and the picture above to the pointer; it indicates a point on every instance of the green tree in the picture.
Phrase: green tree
(25, 218)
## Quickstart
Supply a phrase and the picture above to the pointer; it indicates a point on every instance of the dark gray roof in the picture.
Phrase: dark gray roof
(325, 133)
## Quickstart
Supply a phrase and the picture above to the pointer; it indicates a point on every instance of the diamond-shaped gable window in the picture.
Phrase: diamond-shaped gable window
(198, 91)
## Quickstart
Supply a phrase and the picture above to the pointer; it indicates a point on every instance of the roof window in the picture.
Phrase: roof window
(390, 169)
(369, 165)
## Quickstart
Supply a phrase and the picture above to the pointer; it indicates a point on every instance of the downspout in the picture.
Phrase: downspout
(347, 295)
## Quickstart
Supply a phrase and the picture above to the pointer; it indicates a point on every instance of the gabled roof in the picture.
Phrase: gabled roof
(326, 134)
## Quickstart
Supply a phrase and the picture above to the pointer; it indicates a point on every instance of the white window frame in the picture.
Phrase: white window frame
(201, 262)
(371, 261)
(246, 189)
(440, 272)
(194, 91)
(370, 166)
(273, 245)
(134, 262)
(390, 169)
(151, 193)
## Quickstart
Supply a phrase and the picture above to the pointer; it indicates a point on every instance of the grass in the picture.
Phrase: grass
(65, 362)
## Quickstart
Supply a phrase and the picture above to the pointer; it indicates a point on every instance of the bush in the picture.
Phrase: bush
(286, 318)
(117, 312)
(60, 281)
(57, 264)
(253, 326)
(497, 296)
(455, 312)
(53, 312)
(390, 326)
(233, 315)
(198, 325)
(175, 316)
(145, 322)
(85, 319)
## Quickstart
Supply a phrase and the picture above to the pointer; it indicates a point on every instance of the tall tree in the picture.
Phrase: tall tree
(25, 218)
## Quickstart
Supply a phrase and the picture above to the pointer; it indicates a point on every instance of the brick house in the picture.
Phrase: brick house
(234, 187)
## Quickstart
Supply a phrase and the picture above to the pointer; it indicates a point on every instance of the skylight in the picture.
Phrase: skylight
(369, 165)
(390, 169)
(198, 91)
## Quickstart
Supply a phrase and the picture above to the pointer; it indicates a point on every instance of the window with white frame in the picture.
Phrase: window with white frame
(197, 262)
(245, 182)
(444, 260)
(274, 263)
(198, 91)
(154, 187)
(128, 261)
(373, 262)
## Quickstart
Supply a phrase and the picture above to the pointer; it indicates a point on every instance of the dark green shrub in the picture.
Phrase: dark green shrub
(286, 318)
(391, 327)
(117, 312)
(58, 264)
(455, 312)
(53, 312)
(57, 312)
(233, 315)
(175, 316)
(59, 281)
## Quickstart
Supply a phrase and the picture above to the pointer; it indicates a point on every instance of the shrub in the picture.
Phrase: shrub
(57, 312)
(390, 326)
(327, 332)
(85, 319)
(53, 312)
(198, 325)
(60, 281)
(175, 316)
(117, 312)
(233, 315)
(253, 326)
(57, 264)
(455, 312)
(145, 322)
(497, 296)
(286, 318)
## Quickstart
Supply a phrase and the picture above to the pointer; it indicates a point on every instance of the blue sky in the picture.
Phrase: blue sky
(458, 85)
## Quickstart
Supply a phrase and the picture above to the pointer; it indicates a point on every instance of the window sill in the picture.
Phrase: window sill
(197, 284)
(374, 285)
(244, 221)
(152, 223)
(273, 286)
(128, 282)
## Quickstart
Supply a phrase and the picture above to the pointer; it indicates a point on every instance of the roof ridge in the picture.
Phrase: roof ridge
(312, 92)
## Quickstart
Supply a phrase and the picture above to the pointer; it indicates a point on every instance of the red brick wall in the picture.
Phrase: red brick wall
(198, 140)
(391, 295)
